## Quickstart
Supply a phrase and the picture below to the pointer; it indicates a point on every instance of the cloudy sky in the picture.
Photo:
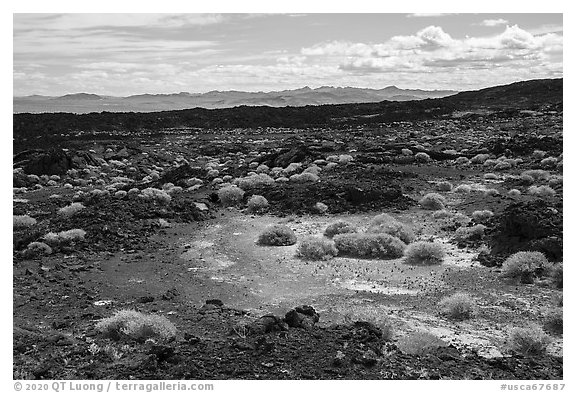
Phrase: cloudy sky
(124, 54)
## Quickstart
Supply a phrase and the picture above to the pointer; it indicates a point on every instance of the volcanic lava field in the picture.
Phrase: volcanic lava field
(413, 240)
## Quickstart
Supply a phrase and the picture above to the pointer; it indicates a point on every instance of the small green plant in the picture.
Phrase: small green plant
(277, 235)
(424, 253)
(433, 201)
(369, 245)
(458, 306)
(136, 326)
(525, 266)
(339, 227)
(316, 248)
(529, 341)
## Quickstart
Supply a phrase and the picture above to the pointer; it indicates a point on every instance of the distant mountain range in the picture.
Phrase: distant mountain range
(87, 103)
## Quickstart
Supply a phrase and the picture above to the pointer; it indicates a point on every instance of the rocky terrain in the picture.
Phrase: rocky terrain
(156, 213)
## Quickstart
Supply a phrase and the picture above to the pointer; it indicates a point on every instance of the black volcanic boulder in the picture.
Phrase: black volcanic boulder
(529, 226)
(53, 161)
(302, 317)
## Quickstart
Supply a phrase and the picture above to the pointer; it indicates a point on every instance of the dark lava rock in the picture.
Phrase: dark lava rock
(529, 226)
(266, 324)
(302, 317)
(53, 162)
(216, 302)
(367, 358)
(145, 299)
(180, 174)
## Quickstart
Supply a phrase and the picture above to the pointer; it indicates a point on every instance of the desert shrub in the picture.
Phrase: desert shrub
(503, 165)
(277, 235)
(491, 192)
(70, 210)
(444, 186)
(321, 207)
(24, 221)
(345, 158)
(384, 223)
(554, 321)
(549, 162)
(489, 162)
(304, 177)
(526, 179)
(462, 161)
(514, 192)
(295, 167)
(255, 180)
(257, 204)
(315, 169)
(529, 341)
(137, 326)
(316, 248)
(338, 228)
(481, 215)
(475, 232)
(424, 253)
(36, 249)
(369, 245)
(537, 174)
(420, 343)
(433, 201)
(479, 158)
(458, 306)
(230, 195)
(525, 265)
(120, 194)
(490, 176)
(407, 152)
(557, 275)
(555, 180)
(538, 154)
(262, 168)
(441, 214)
(155, 194)
(541, 191)
(463, 188)
(71, 235)
(422, 157)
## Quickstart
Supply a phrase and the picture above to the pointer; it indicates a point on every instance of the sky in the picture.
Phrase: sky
(126, 54)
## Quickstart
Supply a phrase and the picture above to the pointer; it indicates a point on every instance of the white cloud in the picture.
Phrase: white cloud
(493, 22)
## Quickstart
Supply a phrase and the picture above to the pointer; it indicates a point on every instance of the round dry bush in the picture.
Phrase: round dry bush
(420, 343)
(277, 235)
(459, 306)
(433, 201)
(70, 210)
(537, 174)
(255, 180)
(230, 195)
(422, 157)
(369, 245)
(424, 253)
(394, 228)
(541, 191)
(482, 215)
(36, 249)
(475, 232)
(525, 266)
(441, 214)
(491, 192)
(463, 188)
(529, 341)
(479, 158)
(321, 207)
(514, 193)
(257, 204)
(338, 228)
(444, 186)
(316, 248)
(24, 221)
(554, 321)
(557, 275)
(136, 326)
(490, 176)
